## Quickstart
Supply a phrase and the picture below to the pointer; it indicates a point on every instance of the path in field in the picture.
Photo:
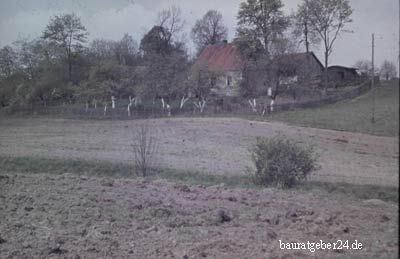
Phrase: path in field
(208, 145)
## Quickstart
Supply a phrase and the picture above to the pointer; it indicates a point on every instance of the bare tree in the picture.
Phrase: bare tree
(144, 149)
(388, 70)
(102, 49)
(171, 20)
(364, 66)
(126, 49)
(328, 18)
(209, 30)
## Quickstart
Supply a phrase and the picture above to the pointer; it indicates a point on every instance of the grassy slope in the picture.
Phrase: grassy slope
(353, 115)
(106, 169)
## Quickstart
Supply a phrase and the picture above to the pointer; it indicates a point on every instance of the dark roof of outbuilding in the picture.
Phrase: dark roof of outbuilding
(297, 59)
(221, 57)
(342, 67)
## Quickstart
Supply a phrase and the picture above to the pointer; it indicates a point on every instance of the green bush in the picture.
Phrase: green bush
(281, 162)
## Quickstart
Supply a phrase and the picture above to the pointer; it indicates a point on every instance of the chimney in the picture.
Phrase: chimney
(225, 41)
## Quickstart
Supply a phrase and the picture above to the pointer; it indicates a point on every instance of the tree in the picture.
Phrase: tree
(328, 19)
(388, 70)
(164, 58)
(302, 27)
(165, 76)
(102, 49)
(8, 59)
(172, 22)
(108, 78)
(33, 54)
(156, 41)
(209, 30)
(364, 66)
(262, 20)
(126, 50)
(68, 32)
(249, 45)
(8, 69)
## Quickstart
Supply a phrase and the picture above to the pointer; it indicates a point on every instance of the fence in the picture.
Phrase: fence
(154, 111)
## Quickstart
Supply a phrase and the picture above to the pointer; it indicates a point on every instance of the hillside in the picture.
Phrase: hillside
(353, 115)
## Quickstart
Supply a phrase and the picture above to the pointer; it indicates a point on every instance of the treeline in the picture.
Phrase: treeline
(61, 65)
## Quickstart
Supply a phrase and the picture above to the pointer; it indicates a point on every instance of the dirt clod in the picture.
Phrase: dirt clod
(271, 234)
(275, 220)
(233, 199)
(384, 218)
(183, 188)
(57, 250)
(222, 216)
(161, 212)
(107, 182)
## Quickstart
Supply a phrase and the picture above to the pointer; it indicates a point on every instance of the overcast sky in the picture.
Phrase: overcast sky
(110, 19)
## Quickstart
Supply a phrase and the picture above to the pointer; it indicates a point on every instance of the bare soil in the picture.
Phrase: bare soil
(207, 145)
(67, 216)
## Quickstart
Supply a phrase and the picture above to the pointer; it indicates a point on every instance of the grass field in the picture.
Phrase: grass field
(353, 115)
(34, 165)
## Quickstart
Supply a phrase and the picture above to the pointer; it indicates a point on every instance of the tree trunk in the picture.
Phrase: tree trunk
(306, 37)
(70, 68)
(325, 74)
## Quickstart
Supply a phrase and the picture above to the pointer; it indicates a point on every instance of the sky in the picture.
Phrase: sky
(111, 19)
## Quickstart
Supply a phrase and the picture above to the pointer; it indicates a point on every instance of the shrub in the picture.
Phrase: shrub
(281, 162)
(144, 149)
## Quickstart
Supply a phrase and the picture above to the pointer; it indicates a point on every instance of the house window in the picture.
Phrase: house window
(228, 81)
(213, 81)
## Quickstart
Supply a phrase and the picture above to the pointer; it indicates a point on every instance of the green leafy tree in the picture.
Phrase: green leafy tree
(165, 60)
(156, 42)
(166, 75)
(107, 78)
(262, 21)
(209, 30)
(68, 32)
(328, 19)
(302, 27)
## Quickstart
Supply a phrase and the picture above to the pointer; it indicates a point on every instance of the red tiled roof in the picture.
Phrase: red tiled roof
(220, 57)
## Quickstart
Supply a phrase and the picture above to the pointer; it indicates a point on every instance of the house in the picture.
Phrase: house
(226, 66)
(299, 68)
(340, 75)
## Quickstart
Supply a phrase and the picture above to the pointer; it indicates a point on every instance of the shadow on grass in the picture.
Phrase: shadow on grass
(364, 192)
(120, 170)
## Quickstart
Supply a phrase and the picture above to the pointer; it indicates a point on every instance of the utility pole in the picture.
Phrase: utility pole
(373, 79)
